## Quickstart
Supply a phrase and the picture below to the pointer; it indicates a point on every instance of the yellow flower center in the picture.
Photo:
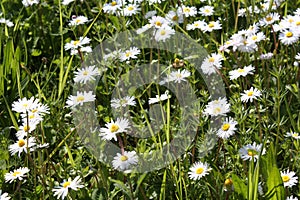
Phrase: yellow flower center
(250, 93)
(211, 59)
(66, 184)
(25, 105)
(163, 32)
(291, 20)
(21, 143)
(114, 128)
(34, 110)
(26, 128)
(158, 23)
(175, 18)
(217, 110)
(298, 23)
(295, 135)
(196, 24)
(80, 99)
(211, 25)
(199, 170)
(76, 42)
(207, 11)
(228, 182)
(31, 116)
(85, 73)
(241, 70)
(113, 3)
(130, 8)
(289, 34)
(16, 174)
(128, 54)
(77, 20)
(285, 178)
(225, 127)
(254, 37)
(124, 158)
(186, 10)
(269, 18)
(251, 152)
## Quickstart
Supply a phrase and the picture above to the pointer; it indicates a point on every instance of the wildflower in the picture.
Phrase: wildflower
(131, 9)
(80, 98)
(211, 63)
(16, 174)
(66, 2)
(289, 36)
(144, 28)
(269, 19)
(174, 17)
(217, 107)
(234, 74)
(7, 22)
(293, 135)
(177, 76)
(86, 74)
(131, 53)
(24, 105)
(76, 44)
(198, 170)
(188, 11)
(196, 25)
(251, 151)
(266, 56)
(155, 1)
(125, 101)
(251, 94)
(78, 20)
(297, 57)
(27, 3)
(158, 21)
(212, 25)
(112, 7)
(21, 145)
(163, 33)
(206, 11)
(159, 98)
(227, 129)
(24, 129)
(289, 179)
(112, 128)
(228, 185)
(124, 161)
(63, 190)
(4, 196)
(291, 198)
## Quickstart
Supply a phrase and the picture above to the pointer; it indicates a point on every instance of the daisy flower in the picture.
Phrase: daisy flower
(144, 28)
(269, 19)
(112, 128)
(123, 102)
(75, 44)
(206, 11)
(130, 54)
(155, 1)
(174, 17)
(131, 9)
(16, 174)
(163, 33)
(212, 25)
(24, 129)
(289, 179)
(4, 196)
(21, 146)
(86, 74)
(112, 7)
(198, 170)
(80, 98)
(24, 105)
(177, 76)
(293, 135)
(63, 190)
(297, 57)
(7, 22)
(78, 20)
(212, 63)
(289, 36)
(159, 98)
(217, 107)
(266, 56)
(250, 151)
(227, 129)
(123, 162)
(158, 21)
(188, 11)
(251, 94)
(234, 74)
(27, 3)
(196, 25)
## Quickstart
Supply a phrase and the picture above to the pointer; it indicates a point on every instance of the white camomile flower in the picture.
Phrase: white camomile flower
(177, 76)
(80, 98)
(112, 128)
(227, 128)
(27, 3)
(21, 145)
(24, 105)
(113, 7)
(291, 198)
(131, 9)
(67, 2)
(234, 74)
(206, 11)
(78, 20)
(199, 170)
(293, 135)
(289, 36)
(131, 53)
(19, 174)
(62, 191)
(251, 151)
(4, 196)
(163, 33)
(213, 25)
(289, 178)
(86, 74)
(125, 161)
(123, 102)
(75, 44)
(251, 94)
(188, 11)
(217, 107)
(159, 98)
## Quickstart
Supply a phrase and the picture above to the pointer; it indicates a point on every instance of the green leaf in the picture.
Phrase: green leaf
(36, 52)
(239, 186)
